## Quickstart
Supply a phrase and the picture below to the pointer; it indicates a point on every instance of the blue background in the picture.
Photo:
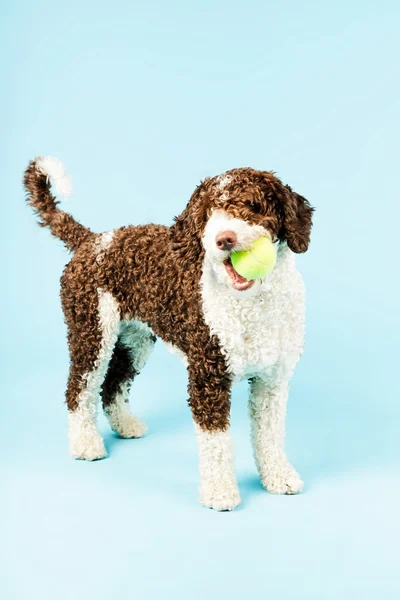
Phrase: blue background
(141, 101)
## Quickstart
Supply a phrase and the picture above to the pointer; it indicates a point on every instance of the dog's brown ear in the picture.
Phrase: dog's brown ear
(188, 228)
(297, 221)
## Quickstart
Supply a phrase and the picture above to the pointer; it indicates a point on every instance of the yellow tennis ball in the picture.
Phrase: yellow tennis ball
(257, 261)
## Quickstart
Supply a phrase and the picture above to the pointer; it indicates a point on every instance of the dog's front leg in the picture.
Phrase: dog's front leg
(209, 389)
(267, 408)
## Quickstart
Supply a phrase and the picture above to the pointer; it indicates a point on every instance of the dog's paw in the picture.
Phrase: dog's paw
(88, 447)
(124, 423)
(221, 498)
(130, 427)
(282, 478)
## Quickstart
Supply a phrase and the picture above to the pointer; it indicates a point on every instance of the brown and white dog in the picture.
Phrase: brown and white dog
(125, 287)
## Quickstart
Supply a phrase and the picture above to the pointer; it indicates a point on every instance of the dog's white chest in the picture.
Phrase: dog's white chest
(263, 332)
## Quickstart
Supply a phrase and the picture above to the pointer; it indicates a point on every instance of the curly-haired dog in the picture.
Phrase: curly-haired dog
(125, 287)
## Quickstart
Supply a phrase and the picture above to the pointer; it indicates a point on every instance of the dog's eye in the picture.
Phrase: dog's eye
(255, 207)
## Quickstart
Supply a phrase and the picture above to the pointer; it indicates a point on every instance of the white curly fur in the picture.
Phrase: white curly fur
(120, 417)
(267, 409)
(55, 171)
(261, 333)
(138, 338)
(218, 487)
(102, 242)
(85, 440)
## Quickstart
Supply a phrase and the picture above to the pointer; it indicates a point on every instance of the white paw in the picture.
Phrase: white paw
(123, 422)
(220, 498)
(89, 446)
(282, 478)
(129, 426)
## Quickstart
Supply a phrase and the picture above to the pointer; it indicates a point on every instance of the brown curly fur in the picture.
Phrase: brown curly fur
(61, 224)
(153, 272)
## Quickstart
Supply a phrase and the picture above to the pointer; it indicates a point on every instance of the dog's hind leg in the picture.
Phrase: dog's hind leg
(133, 347)
(93, 332)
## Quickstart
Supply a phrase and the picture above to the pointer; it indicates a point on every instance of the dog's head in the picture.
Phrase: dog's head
(228, 212)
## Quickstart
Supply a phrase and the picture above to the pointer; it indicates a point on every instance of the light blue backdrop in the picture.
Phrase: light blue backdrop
(140, 101)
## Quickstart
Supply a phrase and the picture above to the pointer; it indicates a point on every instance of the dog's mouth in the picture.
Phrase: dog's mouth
(238, 282)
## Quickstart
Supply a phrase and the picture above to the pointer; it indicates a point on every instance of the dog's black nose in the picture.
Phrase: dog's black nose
(226, 240)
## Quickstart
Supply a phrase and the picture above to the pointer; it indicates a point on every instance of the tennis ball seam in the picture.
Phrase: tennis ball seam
(259, 261)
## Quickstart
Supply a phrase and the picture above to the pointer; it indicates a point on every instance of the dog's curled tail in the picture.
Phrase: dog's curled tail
(41, 174)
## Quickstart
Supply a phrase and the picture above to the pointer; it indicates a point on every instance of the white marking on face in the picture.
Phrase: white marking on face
(220, 221)
(223, 181)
